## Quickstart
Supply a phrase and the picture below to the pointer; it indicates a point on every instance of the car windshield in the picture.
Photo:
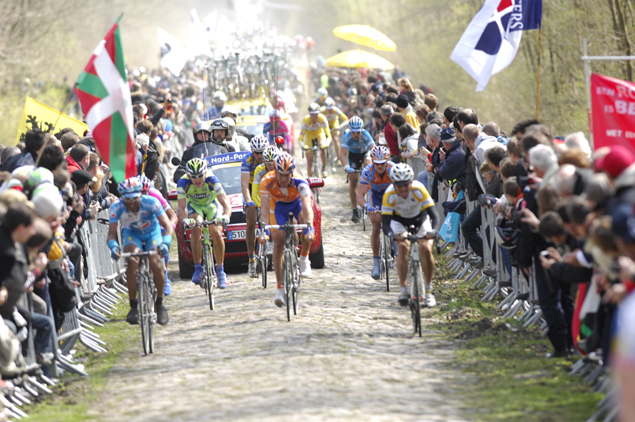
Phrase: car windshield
(256, 110)
(253, 129)
(229, 176)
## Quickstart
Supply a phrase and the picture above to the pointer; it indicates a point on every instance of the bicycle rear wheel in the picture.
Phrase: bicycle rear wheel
(287, 281)
(144, 312)
(210, 276)
(385, 258)
(296, 283)
(415, 298)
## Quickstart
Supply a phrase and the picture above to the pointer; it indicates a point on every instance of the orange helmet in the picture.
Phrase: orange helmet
(285, 164)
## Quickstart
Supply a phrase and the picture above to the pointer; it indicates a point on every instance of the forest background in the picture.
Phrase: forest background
(45, 44)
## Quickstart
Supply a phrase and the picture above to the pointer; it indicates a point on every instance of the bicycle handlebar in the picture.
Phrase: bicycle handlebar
(142, 253)
(205, 224)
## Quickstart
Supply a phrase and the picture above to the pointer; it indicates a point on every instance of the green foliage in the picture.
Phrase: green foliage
(510, 379)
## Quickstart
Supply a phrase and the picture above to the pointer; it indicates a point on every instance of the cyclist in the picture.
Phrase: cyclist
(355, 151)
(276, 127)
(323, 94)
(203, 147)
(200, 197)
(258, 145)
(315, 126)
(142, 218)
(334, 115)
(374, 181)
(268, 158)
(214, 112)
(147, 189)
(284, 191)
(407, 203)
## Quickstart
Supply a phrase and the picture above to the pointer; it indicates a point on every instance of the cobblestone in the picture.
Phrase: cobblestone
(348, 356)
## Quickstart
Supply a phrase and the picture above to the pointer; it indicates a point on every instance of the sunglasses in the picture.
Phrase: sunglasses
(198, 176)
(131, 199)
(257, 152)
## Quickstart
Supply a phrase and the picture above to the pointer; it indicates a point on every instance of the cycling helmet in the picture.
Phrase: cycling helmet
(259, 143)
(380, 154)
(230, 123)
(196, 167)
(130, 188)
(274, 115)
(285, 163)
(201, 126)
(322, 93)
(355, 124)
(219, 124)
(146, 183)
(314, 108)
(401, 174)
(228, 109)
(219, 96)
(507, 237)
(329, 103)
(270, 154)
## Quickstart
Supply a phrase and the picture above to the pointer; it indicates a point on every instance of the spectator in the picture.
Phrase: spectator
(33, 144)
(52, 158)
(68, 140)
(451, 159)
(78, 158)
(406, 110)
(431, 101)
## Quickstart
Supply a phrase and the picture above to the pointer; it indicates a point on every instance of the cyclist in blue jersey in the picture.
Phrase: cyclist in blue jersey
(258, 145)
(141, 218)
(374, 182)
(355, 151)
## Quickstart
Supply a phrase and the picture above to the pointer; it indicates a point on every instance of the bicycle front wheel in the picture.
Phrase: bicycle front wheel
(151, 293)
(210, 275)
(287, 277)
(263, 267)
(415, 298)
(364, 217)
(144, 311)
(296, 283)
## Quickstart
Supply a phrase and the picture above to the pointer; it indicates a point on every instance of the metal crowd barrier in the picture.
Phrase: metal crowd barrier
(519, 301)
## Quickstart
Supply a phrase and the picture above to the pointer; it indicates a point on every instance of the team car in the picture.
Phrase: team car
(227, 168)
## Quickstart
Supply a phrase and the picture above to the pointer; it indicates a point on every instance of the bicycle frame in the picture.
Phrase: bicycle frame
(291, 271)
(207, 260)
(146, 294)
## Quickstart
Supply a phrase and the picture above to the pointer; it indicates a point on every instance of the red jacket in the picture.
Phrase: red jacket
(391, 139)
(72, 164)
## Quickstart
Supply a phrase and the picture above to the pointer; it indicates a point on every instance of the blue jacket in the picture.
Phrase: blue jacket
(453, 167)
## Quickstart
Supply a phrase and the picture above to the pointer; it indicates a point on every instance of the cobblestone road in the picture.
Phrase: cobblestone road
(349, 355)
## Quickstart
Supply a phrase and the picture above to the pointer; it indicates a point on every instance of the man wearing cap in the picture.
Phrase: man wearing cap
(82, 179)
(452, 159)
(619, 166)
(404, 108)
(389, 134)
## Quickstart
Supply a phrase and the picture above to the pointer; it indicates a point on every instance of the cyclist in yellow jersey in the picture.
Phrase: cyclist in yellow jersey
(268, 158)
(407, 203)
(334, 115)
(315, 126)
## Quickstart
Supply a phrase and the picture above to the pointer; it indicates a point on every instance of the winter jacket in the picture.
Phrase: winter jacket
(15, 267)
(453, 166)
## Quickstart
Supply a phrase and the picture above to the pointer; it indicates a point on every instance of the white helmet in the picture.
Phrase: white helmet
(329, 103)
(322, 92)
(401, 174)
(229, 109)
(259, 143)
(219, 96)
(230, 122)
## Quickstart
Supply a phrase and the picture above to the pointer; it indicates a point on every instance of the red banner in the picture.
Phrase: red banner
(613, 112)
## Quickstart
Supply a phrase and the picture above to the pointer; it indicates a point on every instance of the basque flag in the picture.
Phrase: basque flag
(491, 40)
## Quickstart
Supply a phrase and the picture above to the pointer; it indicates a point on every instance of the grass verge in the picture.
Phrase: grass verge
(73, 396)
(511, 378)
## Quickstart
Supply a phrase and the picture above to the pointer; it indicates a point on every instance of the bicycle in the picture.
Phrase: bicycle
(263, 259)
(208, 278)
(364, 216)
(386, 259)
(415, 278)
(147, 295)
(291, 269)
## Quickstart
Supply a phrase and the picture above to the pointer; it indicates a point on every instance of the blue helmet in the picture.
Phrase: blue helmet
(130, 188)
(355, 124)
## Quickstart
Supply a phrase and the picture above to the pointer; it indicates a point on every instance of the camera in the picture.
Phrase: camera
(546, 254)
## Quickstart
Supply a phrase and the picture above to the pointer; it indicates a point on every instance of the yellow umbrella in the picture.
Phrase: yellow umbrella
(365, 35)
(359, 58)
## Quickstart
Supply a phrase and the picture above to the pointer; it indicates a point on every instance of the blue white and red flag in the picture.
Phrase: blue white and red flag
(491, 40)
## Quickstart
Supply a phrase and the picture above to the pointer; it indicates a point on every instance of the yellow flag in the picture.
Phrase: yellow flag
(37, 116)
